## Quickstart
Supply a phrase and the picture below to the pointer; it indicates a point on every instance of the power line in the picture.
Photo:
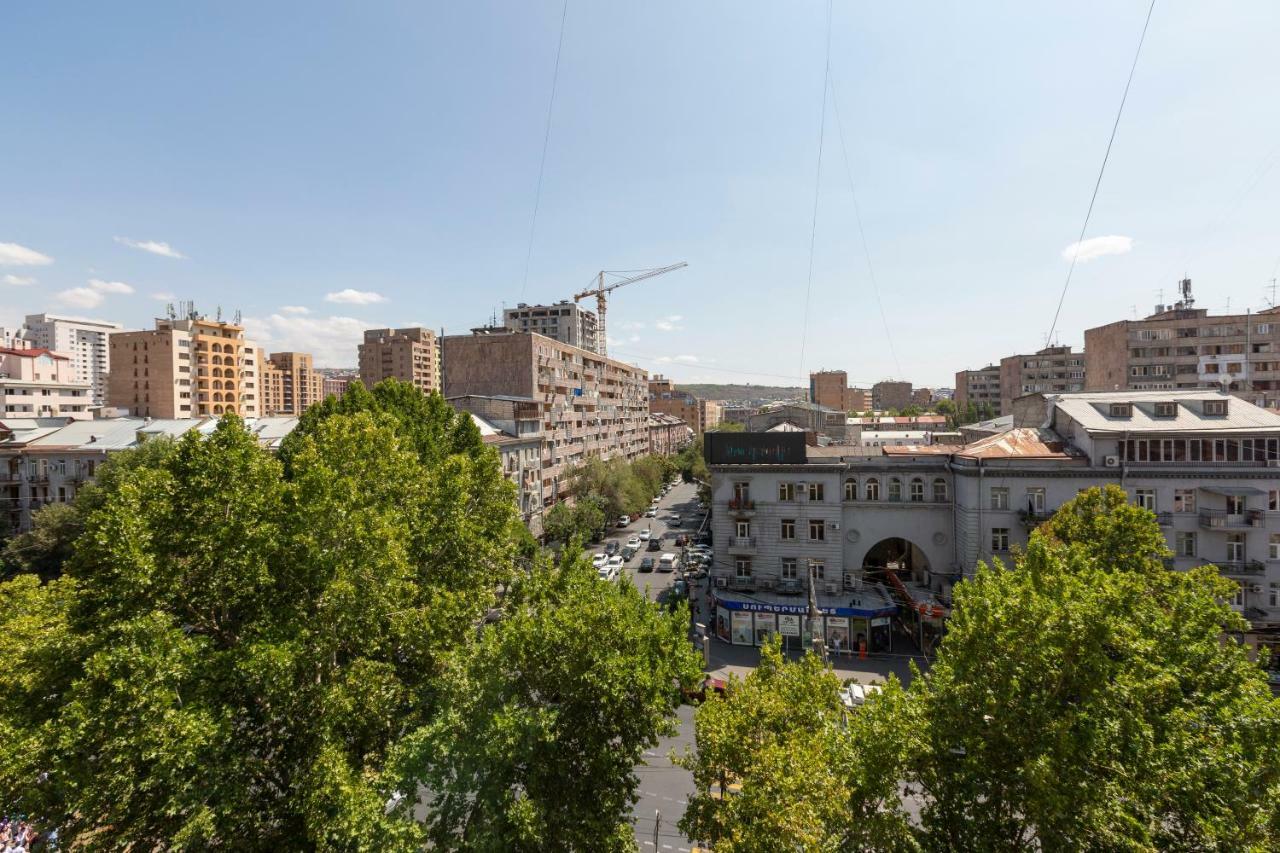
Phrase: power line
(546, 143)
(1098, 183)
(817, 186)
(857, 212)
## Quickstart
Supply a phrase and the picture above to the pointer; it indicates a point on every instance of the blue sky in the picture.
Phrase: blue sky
(289, 151)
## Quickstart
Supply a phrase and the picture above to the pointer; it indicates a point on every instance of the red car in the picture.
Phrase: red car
(699, 694)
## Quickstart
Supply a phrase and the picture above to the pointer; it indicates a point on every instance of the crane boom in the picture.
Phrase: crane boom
(599, 291)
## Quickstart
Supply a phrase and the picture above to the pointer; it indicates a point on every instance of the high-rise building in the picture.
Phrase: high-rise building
(566, 322)
(1052, 370)
(856, 400)
(827, 388)
(411, 355)
(290, 383)
(890, 394)
(85, 342)
(591, 405)
(708, 415)
(980, 387)
(185, 367)
(1184, 347)
(37, 383)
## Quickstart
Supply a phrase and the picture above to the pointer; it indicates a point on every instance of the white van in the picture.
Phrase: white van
(667, 563)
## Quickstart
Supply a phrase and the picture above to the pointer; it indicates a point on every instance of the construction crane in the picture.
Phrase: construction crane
(600, 289)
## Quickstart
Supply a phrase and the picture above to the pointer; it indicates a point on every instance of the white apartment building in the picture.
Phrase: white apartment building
(566, 322)
(84, 341)
(915, 520)
(37, 383)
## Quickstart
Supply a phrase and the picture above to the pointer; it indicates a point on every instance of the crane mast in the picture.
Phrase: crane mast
(600, 289)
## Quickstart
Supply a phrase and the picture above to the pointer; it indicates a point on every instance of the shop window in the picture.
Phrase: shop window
(895, 489)
(816, 492)
(999, 497)
(786, 491)
(1184, 500)
(999, 539)
(873, 489)
(916, 487)
(788, 529)
(1145, 498)
(939, 490)
(789, 568)
(851, 490)
(817, 530)
(1186, 543)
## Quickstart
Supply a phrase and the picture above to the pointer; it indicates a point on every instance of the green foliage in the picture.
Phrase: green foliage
(1110, 533)
(729, 426)
(580, 521)
(612, 488)
(549, 710)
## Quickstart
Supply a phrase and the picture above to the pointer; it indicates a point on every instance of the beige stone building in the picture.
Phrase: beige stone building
(890, 394)
(709, 412)
(1184, 347)
(410, 355)
(290, 383)
(37, 383)
(1052, 370)
(183, 368)
(981, 386)
(85, 341)
(591, 405)
(700, 415)
(566, 322)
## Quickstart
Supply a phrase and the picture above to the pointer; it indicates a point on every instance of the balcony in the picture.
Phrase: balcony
(1164, 519)
(1217, 519)
(1241, 568)
(1034, 518)
(742, 544)
(742, 506)
(747, 583)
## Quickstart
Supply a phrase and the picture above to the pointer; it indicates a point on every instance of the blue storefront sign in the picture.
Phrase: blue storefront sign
(803, 609)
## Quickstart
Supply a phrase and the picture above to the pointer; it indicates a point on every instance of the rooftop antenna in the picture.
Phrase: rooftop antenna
(237, 317)
(219, 314)
(1184, 287)
(1271, 301)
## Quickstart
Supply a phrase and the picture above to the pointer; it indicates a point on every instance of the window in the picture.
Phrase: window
(1215, 407)
(999, 539)
(1273, 500)
(873, 489)
(1145, 498)
(788, 568)
(816, 492)
(819, 569)
(1166, 410)
(786, 491)
(1235, 547)
(1035, 501)
(851, 490)
(916, 487)
(1121, 410)
(1184, 500)
(788, 529)
(1273, 600)
(817, 529)
(741, 493)
(939, 490)
(1237, 598)
(742, 567)
(743, 529)
(1235, 505)
(895, 489)
(1273, 546)
(1186, 544)
(999, 497)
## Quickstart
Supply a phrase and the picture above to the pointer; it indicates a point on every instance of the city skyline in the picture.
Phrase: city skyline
(396, 187)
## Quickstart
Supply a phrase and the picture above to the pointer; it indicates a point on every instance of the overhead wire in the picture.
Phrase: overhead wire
(817, 187)
(546, 143)
(857, 213)
(1053, 327)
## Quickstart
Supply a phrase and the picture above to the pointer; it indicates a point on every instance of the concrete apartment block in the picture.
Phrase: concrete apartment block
(84, 341)
(890, 394)
(566, 322)
(978, 387)
(410, 355)
(1052, 370)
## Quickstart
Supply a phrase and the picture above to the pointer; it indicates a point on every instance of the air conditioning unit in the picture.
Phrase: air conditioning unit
(835, 525)
(721, 583)
(1111, 461)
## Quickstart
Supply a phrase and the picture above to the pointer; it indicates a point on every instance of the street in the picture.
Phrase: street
(680, 501)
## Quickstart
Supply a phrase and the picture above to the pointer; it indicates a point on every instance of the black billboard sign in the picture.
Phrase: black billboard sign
(754, 448)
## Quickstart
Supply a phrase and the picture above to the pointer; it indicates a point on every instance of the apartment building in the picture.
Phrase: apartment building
(591, 405)
(37, 383)
(411, 355)
(1052, 370)
(666, 399)
(513, 426)
(86, 342)
(337, 383)
(289, 382)
(832, 424)
(668, 435)
(185, 367)
(857, 400)
(913, 520)
(890, 394)
(709, 414)
(566, 322)
(1181, 347)
(827, 388)
(980, 387)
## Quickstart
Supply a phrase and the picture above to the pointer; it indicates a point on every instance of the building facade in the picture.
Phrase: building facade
(513, 426)
(1183, 347)
(566, 322)
(664, 398)
(890, 394)
(337, 383)
(86, 342)
(1204, 463)
(410, 355)
(709, 415)
(289, 381)
(37, 383)
(980, 387)
(808, 417)
(827, 388)
(668, 435)
(1052, 370)
(591, 405)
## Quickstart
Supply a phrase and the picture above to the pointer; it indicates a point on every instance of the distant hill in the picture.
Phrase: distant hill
(742, 392)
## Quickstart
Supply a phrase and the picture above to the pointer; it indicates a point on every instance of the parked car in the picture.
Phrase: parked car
(699, 694)
(645, 534)
(681, 540)
(853, 695)
(655, 544)
(623, 521)
(611, 547)
(629, 552)
(615, 563)
(633, 541)
(605, 573)
(667, 563)
(646, 565)
(599, 560)
(651, 512)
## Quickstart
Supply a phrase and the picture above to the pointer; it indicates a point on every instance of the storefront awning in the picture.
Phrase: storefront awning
(1233, 491)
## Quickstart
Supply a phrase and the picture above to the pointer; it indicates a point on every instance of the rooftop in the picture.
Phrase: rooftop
(1092, 410)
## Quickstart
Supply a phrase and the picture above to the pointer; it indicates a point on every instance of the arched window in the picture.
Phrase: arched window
(873, 489)
(851, 489)
(217, 384)
(940, 490)
(216, 347)
(217, 396)
(217, 410)
(917, 490)
(231, 398)
(895, 489)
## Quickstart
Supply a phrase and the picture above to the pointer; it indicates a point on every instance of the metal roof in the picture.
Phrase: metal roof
(1021, 443)
(1092, 411)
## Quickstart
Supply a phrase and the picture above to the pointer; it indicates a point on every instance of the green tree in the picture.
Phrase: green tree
(729, 426)
(549, 711)
(1110, 532)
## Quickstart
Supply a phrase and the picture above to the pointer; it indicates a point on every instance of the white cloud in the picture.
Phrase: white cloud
(81, 297)
(355, 297)
(164, 296)
(1097, 247)
(294, 309)
(19, 280)
(332, 340)
(109, 286)
(13, 255)
(155, 247)
(669, 324)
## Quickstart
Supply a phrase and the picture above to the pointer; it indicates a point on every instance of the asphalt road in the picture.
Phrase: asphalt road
(680, 501)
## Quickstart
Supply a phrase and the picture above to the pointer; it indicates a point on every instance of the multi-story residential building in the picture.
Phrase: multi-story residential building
(889, 423)
(857, 400)
(86, 342)
(37, 383)
(289, 382)
(980, 387)
(916, 519)
(890, 394)
(410, 355)
(665, 398)
(513, 425)
(566, 322)
(827, 388)
(336, 383)
(1052, 370)
(921, 397)
(808, 417)
(591, 405)
(737, 414)
(668, 435)
(185, 367)
(1181, 346)
(708, 415)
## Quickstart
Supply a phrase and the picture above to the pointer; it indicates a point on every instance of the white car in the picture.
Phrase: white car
(651, 513)
(604, 573)
(599, 560)
(633, 541)
(853, 695)
(624, 521)
(645, 534)
(615, 564)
